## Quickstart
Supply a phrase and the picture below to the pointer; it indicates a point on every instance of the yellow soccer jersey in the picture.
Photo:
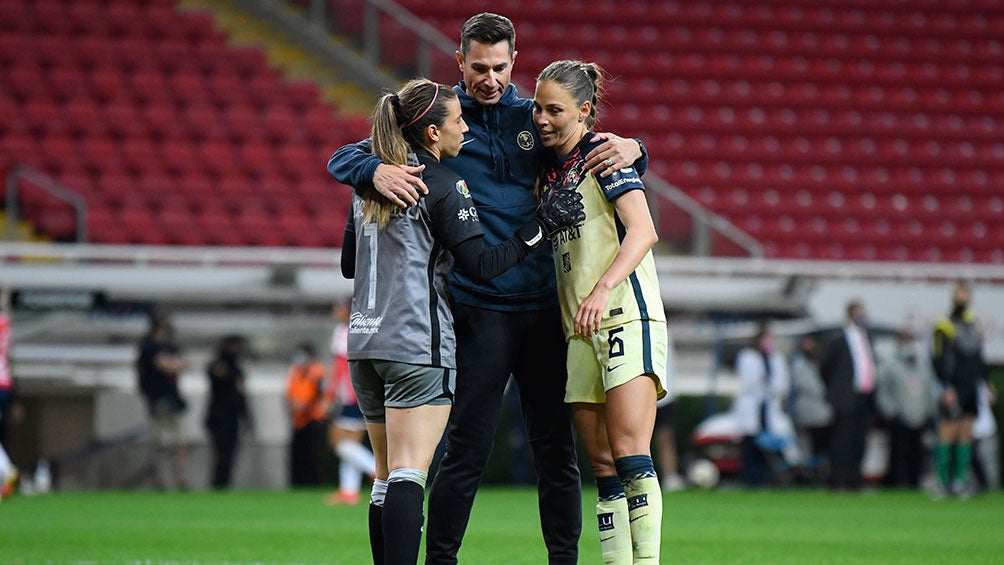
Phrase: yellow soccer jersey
(582, 254)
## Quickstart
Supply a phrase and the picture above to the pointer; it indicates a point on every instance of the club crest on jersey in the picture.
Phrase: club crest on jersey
(572, 178)
(462, 189)
(525, 140)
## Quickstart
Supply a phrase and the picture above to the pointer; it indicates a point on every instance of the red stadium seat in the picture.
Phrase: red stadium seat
(843, 113)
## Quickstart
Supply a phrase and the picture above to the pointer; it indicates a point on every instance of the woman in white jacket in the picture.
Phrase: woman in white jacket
(763, 423)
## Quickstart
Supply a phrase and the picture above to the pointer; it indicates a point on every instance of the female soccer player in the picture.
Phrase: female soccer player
(612, 314)
(401, 344)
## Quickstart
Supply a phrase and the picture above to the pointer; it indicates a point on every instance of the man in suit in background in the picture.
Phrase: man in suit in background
(848, 369)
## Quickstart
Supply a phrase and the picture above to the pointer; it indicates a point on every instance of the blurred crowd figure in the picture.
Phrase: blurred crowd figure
(930, 394)
(763, 423)
(664, 444)
(811, 412)
(228, 410)
(8, 472)
(159, 365)
(346, 428)
(906, 397)
(962, 372)
(305, 400)
(664, 435)
(849, 373)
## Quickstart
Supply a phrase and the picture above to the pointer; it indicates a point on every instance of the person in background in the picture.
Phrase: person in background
(958, 361)
(664, 435)
(306, 409)
(8, 472)
(159, 366)
(848, 369)
(906, 395)
(763, 387)
(811, 414)
(986, 446)
(228, 407)
(347, 427)
(664, 441)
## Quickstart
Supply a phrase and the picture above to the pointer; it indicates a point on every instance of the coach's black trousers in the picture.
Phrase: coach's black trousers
(492, 345)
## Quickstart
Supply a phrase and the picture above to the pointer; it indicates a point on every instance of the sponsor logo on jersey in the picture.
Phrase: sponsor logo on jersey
(616, 312)
(466, 214)
(566, 263)
(411, 212)
(462, 189)
(525, 140)
(562, 237)
(635, 502)
(617, 180)
(606, 521)
(360, 323)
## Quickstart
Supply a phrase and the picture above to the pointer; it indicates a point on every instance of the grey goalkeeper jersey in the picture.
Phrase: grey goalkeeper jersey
(400, 297)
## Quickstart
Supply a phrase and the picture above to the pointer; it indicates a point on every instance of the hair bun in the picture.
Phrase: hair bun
(395, 104)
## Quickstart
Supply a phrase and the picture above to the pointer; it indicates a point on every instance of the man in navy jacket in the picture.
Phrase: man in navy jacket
(510, 325)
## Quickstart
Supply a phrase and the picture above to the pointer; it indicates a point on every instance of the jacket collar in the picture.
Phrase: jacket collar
(509, 97)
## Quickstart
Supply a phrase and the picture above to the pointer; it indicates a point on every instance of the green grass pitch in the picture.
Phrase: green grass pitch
(698, 527)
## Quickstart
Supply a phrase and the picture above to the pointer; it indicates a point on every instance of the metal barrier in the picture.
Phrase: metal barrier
(51, 186)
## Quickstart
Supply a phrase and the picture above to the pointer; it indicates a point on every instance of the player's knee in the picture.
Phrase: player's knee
(416, 476)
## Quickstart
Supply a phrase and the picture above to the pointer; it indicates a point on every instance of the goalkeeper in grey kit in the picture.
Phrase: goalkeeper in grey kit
(401, 341)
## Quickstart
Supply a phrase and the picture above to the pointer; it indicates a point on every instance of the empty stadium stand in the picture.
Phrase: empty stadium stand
(839, 129)
(172, 135)
(833, 129)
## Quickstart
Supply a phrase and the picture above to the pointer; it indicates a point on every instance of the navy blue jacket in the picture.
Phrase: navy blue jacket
(500, 160)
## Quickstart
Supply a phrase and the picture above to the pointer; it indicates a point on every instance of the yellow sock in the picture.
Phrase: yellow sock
(644, 499)
(615, 531)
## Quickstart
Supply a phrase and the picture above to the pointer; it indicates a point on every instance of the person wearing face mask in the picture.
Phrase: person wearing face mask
(228, 407)
(305, 400)
(848, 369)
(957, 357)
(905, 396)
(763, 386)
(810, 412)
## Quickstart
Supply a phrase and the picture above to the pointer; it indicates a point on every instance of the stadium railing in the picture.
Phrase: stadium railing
(16, 186)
